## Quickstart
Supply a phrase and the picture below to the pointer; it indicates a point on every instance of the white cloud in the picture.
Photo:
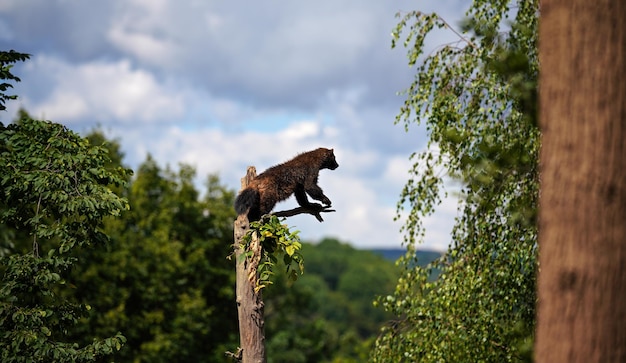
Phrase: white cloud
(223, 85)
(103, 92)
(439, 225)
(396, 170)
(146, 47)
(300, 131)
(141, 31)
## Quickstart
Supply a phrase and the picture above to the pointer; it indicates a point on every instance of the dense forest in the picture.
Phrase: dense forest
(100, 262)
(162, 278)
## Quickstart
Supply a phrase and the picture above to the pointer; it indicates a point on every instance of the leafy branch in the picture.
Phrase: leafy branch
(6, 63)
(277, 241)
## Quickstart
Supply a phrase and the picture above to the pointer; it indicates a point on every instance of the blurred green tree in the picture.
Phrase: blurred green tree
(327, 314)
(165, 281)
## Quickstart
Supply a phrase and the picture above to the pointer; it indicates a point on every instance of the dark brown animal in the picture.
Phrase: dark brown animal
(297, 176)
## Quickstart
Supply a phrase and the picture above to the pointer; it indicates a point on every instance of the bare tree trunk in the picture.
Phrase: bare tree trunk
(249, 302)
(582, 220)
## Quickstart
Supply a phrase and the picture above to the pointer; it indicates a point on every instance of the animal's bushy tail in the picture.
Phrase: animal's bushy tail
(247, 199)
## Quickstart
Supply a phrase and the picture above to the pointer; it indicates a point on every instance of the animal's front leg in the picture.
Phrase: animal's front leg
(316, 193)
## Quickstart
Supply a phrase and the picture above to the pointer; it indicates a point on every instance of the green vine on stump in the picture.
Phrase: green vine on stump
(276, 241)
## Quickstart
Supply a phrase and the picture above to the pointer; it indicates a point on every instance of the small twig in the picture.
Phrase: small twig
(469, 42)
(313, 209)
(35, 244)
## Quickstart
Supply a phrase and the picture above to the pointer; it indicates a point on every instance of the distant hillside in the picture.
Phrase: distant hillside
(424, 257)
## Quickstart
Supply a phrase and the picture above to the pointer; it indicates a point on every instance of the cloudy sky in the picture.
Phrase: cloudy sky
(221, 85)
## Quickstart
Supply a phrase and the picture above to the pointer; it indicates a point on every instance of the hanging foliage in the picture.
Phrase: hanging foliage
(477, 100)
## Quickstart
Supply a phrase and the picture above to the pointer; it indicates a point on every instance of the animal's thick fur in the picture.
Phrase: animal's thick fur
(297, 176)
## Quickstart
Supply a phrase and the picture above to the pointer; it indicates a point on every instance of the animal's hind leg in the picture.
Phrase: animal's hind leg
(301, 197)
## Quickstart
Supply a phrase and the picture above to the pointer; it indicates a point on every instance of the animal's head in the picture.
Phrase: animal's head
(329, 160)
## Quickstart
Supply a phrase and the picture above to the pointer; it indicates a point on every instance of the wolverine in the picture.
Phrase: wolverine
(297, 176)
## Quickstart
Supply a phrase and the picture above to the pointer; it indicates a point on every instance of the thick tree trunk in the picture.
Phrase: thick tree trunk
(582, 220)
(249, 302)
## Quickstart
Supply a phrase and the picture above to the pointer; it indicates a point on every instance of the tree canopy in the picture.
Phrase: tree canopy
(477, 100)
(164, 280)
(54, 199)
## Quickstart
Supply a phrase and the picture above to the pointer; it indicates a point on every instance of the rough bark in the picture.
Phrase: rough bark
(250, 306)
(582, 220)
